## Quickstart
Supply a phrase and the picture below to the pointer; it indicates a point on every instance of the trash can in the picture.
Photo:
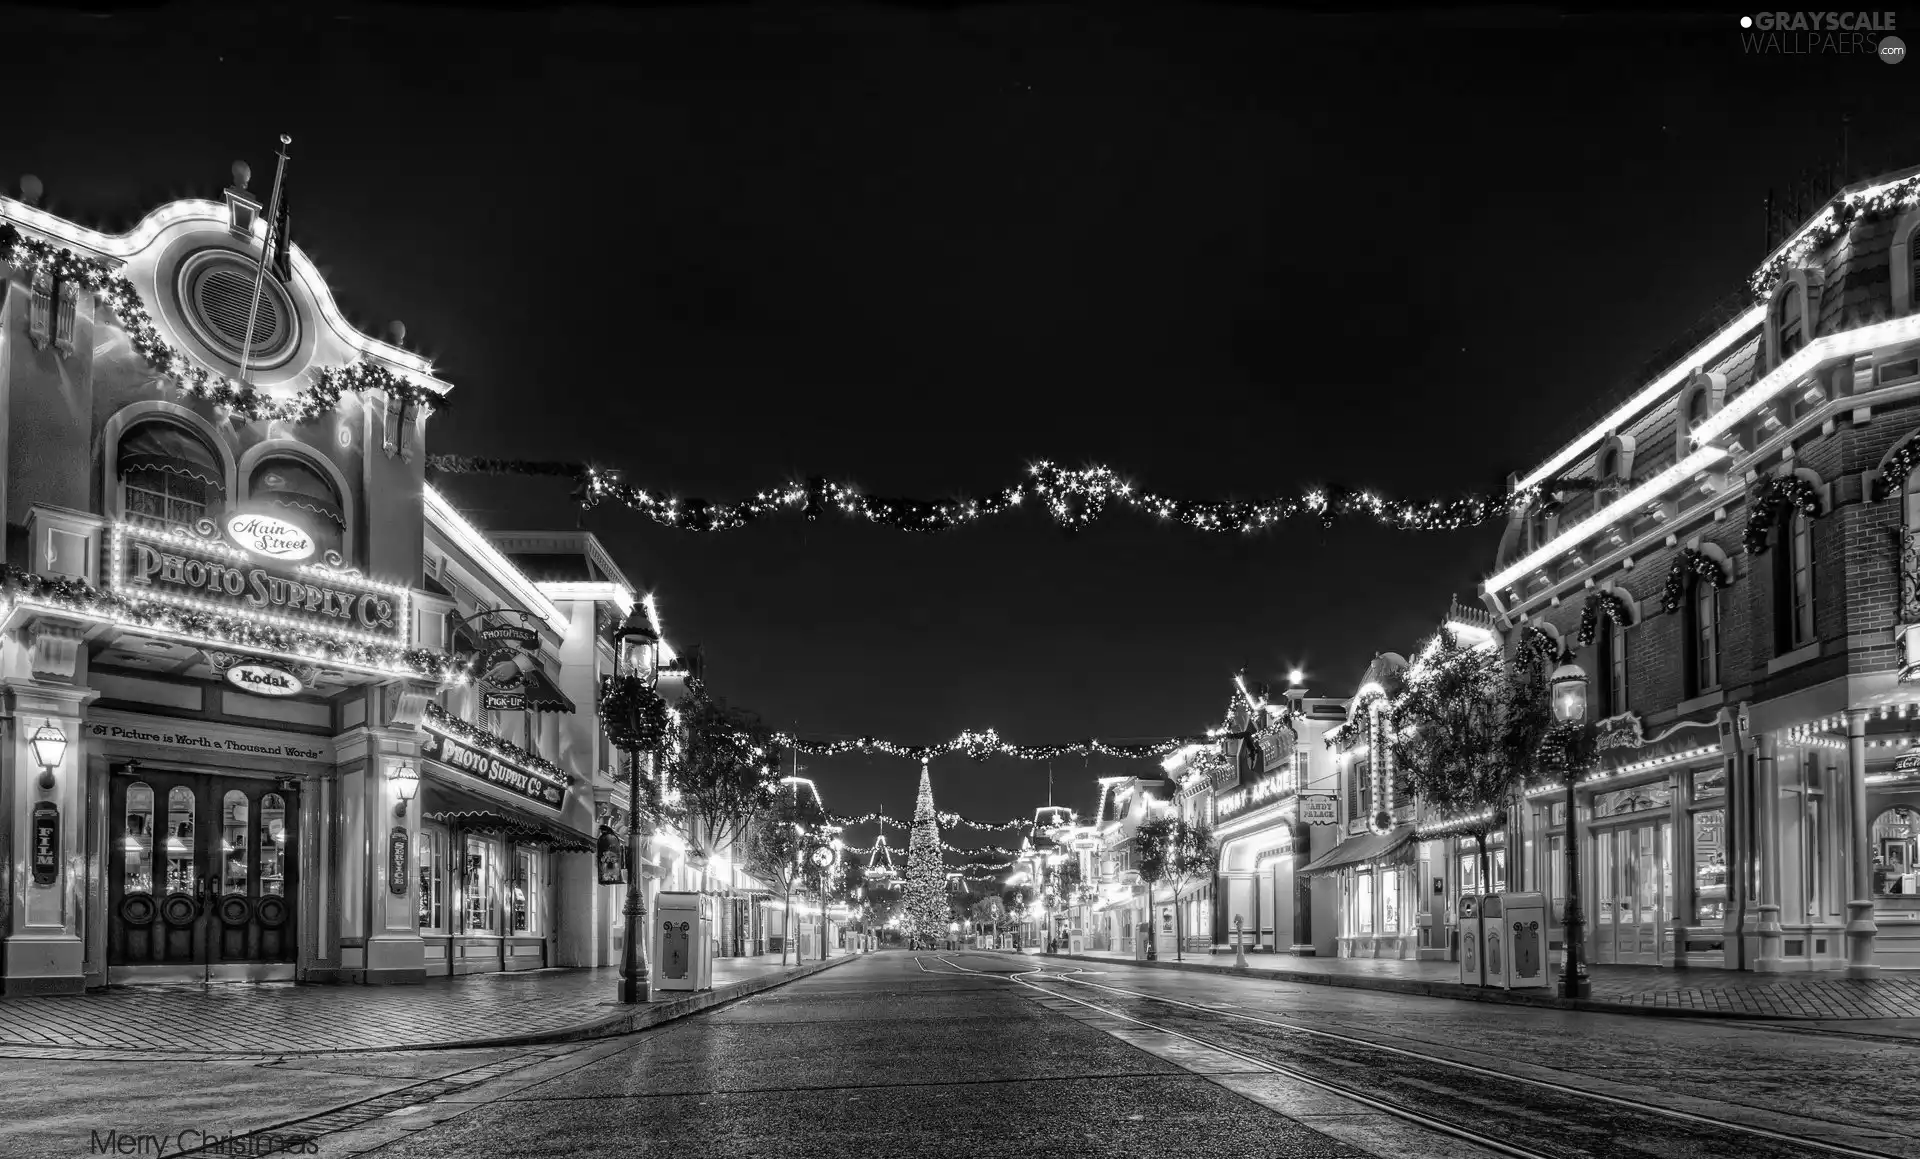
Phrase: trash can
(1076, 944)
(1494, 955)
(1523, 940)
(1469, 933)
(683, 941)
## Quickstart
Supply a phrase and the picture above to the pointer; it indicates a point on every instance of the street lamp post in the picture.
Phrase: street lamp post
(639, 659)
(1568, 690)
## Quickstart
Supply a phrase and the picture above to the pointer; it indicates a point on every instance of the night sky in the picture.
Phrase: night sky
(1227, 251)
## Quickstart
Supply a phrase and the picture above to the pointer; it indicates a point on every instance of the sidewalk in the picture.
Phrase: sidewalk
(1619, 989)
(273, 1019)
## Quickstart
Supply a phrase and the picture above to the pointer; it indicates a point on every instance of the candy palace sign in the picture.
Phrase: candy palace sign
(516, 779)
(213, 576)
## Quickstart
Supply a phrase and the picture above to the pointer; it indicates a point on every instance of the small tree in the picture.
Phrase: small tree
(722, 776)
(1450, 738)
(1154, 842)
(777, 844)
(1194, 858)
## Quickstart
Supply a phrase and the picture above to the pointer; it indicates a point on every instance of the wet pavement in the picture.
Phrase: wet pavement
(996, 1054)
(271, 1019)
(1828, 996)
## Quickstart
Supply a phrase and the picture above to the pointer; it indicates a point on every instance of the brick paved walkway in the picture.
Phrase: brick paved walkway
(1729, 993)
(272, 1019)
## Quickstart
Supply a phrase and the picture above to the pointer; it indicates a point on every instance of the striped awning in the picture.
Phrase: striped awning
(162, 446)
(519, 830)
(1366, 849)
(543, 695)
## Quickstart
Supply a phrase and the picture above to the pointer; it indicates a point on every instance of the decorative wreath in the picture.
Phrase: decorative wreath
(1701, 566)
(1773, 499)
(633, 714)
(1602, 603)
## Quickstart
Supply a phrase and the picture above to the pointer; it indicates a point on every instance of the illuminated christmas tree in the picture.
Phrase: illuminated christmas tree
(925, 886)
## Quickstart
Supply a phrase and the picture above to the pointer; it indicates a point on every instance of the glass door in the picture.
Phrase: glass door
(201, 880)
(1633, 889)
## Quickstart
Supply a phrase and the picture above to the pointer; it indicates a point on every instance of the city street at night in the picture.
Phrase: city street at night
(1028, 580)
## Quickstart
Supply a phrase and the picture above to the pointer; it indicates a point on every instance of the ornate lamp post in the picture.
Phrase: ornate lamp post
(1567, 689)
(638, 648)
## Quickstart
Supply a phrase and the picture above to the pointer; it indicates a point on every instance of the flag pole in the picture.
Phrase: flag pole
(260, 271)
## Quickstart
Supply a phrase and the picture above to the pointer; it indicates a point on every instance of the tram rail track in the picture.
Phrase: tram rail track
(1448, 1096)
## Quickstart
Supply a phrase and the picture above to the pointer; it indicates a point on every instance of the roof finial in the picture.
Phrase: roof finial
(31, 189)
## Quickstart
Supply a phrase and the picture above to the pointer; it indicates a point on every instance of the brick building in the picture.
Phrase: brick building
(1731, 558)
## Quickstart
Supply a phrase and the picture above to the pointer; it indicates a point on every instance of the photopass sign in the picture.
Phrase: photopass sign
(504, 643)
(210, 576)
(529, 784)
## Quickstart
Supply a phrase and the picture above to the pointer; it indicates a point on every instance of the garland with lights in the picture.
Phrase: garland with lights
(1075, 499)
(948, 819)
(73, 595)
(1701, 566)
(1770, 501)
(1836, 220)
(1602, 603)
(1536, 647)
(634, 715)
(1900, 464)
(985, 743)
(35, 256)
(493, 744)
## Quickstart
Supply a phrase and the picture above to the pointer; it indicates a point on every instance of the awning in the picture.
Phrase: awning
(543, 695)
(161, 446)
(519, 830)
(289, 483)
(1367, 847)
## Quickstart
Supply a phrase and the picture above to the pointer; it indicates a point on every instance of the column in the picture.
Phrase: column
(43, 952)
(1733, 925)
(1860, 927)
(395, 952)
(1766, 826)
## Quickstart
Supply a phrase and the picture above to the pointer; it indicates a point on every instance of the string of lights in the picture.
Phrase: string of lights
(947, 820)
(230, 398)
(984, 743)
(1073, 498)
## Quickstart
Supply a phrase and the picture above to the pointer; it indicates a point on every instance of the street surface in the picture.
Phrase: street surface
(994, 1054)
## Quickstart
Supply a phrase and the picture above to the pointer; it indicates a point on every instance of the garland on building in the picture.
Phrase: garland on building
(77, 596)
(1773, 499)
(1858, 208)
(241, 400)
(1900, 464)
(492, 743)
(924, 888)
(1602, 603)
(1701, 566)
(985, 743)
(1075, 499)
(1536, 647)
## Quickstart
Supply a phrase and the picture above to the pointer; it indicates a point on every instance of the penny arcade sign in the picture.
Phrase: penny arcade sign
(253, 578)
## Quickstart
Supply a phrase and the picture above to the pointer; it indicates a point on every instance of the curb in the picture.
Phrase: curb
(653, 1014)
(1443, 990)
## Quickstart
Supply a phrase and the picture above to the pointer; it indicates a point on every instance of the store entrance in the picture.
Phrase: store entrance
(1633, 888)
(203, 879)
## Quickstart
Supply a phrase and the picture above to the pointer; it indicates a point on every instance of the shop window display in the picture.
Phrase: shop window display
(139, 839)
(1896, 853)
(1709, 866)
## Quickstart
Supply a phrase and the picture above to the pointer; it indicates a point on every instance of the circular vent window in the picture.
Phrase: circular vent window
(216, 293)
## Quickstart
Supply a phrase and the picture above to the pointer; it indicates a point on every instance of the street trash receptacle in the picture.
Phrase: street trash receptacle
(1076, 944)
(1494, 958)
(1523, 940)
(683, 941)
(1469, 934)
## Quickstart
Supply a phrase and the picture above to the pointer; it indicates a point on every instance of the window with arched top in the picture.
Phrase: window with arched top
(169, 474)
(1789, 321)
(1610, 464)
(300, 492)
(1696, 409)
